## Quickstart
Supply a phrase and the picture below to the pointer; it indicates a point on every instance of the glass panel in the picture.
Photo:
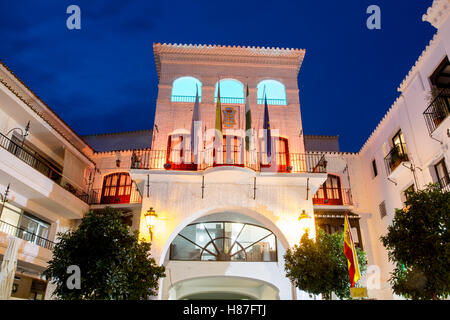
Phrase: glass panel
(207, 256)
(108, 181)
(231, 232)
(240, 256)
(181, 249)
(121, 189)
(215, 229)
(114, 180)
(263, 251)
(11, 219)
(251, 234)
(106, 192)
(123, 179)
(196, 233)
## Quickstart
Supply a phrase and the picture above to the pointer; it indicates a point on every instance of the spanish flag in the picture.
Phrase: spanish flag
(350, 253)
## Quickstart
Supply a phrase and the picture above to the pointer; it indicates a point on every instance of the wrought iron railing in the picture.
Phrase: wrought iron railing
(184, 99)
(444, 183)
(257, 161)
(230, 100)
(273, 102)
(121, 195)
(438, 110)
(333, 197)
(34, 160)
(395, 157)
(25, 235)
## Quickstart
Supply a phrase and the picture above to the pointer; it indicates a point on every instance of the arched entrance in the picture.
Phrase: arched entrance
(223, 288)
(226, 255)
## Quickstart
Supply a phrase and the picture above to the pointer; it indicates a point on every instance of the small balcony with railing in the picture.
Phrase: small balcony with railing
(438, 110)
(331, 193)
(115, 195)
(396, 158)
(26, 235)
(36, 161)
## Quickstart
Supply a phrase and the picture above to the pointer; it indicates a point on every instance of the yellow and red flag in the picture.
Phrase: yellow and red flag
(350, 253)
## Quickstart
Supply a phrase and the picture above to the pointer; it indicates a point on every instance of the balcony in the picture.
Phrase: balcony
(25, 235)
(395, 158)
(229, 100)
(333, 197)
(184, 161)
(438, 110)
(37, 162)
(120, 196)
(444, 183)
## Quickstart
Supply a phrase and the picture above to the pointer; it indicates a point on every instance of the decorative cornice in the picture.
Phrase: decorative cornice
(437, 13)
(232, 54)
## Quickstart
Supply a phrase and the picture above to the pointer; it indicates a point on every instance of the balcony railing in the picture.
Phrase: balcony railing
(444, 183)
(257, 161)
(333, 197)
(184, 99)
(25, 235)
(273, 102)
(438, 110)
(230, 100)
(395, 157)
(122, 195)
(34, 160)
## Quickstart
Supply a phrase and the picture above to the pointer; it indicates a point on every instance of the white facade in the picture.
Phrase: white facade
(231, 191)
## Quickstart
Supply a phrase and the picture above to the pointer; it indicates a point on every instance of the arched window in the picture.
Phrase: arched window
(231, 91)
(224, 241)
(116, 188)
(185, 88)
(274, 91)
(330, 192)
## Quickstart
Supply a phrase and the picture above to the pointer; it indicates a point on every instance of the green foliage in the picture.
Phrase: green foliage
(418, 243)
(114, 264)
(320, 266)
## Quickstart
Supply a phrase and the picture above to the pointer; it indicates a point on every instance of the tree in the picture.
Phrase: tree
(320, 266)
(114, 264)
(418, 243)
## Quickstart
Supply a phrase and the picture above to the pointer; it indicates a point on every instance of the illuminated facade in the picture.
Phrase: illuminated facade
(223, 217)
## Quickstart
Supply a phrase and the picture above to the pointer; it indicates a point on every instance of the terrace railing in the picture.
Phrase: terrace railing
(396, 156)
(25, 235)
(122, 196)
(333, 197)
(438, 110)
(37, 162)
(210, 158)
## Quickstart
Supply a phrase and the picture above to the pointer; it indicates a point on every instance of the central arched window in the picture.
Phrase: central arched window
(330, 192)
(231, 91)
(224, 241)
(184, 90)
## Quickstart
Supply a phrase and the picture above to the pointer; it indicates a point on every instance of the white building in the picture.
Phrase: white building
(225, 220)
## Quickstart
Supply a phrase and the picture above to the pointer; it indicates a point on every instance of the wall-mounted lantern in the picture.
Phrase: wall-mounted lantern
(150, 219)
(304, 216)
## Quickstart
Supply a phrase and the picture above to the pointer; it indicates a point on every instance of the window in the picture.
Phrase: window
(330, 192)
(408, 190)
(374, 168)
(274, 91)
(442, 174)
(382, 208)
(441, 76)
(179, 155)
(231, 91)
(398, 143)
(224, 241)
(116, 188)
(34, 230)
(280, 154)
(184, 89)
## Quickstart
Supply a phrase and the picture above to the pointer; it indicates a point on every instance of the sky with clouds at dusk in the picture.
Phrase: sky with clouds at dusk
(102, 78)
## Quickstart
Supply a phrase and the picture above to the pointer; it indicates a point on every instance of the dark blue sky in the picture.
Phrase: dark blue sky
(102, 78)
